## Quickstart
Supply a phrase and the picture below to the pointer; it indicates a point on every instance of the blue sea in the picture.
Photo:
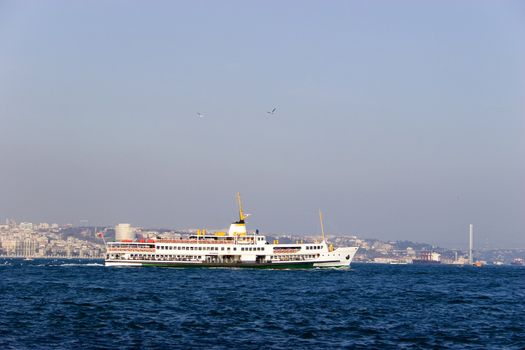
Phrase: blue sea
(65, 304)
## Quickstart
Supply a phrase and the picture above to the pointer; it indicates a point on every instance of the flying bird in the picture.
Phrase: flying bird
(200, 115)
(272, 112)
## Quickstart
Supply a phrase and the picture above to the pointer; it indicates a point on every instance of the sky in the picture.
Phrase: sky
(400, 120)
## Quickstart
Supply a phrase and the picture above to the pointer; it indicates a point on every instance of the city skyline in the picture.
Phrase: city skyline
(400, 120)
(480, 242)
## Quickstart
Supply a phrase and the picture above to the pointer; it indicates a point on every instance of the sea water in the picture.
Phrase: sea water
(82, 304)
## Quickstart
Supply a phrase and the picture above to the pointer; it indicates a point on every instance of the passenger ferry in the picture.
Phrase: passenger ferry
(236, 248)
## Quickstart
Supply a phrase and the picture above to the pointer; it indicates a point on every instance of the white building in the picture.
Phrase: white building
(124, 232)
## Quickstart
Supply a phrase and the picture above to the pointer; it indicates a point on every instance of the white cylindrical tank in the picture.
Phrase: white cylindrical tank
(124, 232)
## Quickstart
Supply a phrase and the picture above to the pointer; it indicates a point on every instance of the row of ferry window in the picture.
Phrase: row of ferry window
(222, 248)
(201, 248)
(295, 257)
(247, 249)
(158, 256)
(155, 256)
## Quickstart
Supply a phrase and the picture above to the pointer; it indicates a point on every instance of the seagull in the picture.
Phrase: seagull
(200, 115)
(272, 112)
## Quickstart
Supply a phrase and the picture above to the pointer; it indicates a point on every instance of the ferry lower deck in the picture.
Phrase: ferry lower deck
(276, 265)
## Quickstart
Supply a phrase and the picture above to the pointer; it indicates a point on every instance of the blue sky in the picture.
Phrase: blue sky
(402, 120)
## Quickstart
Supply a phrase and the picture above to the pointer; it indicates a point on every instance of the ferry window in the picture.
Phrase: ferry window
(234, 248)
(222, 248)
(229, 248)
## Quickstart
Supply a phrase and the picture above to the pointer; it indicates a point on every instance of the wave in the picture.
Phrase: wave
(79, 264)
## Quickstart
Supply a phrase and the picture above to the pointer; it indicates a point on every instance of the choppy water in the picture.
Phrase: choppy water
(60, 304)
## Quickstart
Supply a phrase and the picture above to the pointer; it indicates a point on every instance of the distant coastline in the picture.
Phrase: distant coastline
(53, 241)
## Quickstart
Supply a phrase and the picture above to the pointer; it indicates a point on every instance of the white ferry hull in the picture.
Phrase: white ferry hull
(341, 257)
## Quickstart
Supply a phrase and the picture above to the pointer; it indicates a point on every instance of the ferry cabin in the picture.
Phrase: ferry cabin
(215, 250)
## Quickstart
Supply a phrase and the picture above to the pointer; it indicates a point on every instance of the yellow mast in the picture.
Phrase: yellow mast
(322, 226)
(241, 214)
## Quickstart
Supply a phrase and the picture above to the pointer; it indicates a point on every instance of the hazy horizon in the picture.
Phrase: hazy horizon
(400, 120)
